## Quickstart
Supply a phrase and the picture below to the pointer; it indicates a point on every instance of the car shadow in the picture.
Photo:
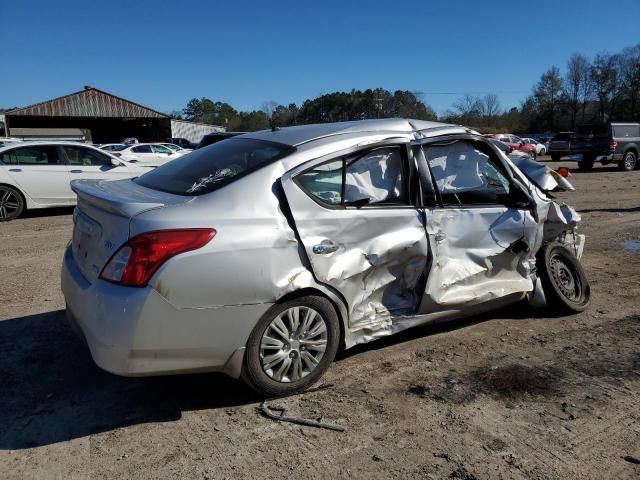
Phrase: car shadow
(517, 311)
(47, 212)
(51, 390)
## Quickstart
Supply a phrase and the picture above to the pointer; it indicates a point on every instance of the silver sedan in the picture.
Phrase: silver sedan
(262, 255)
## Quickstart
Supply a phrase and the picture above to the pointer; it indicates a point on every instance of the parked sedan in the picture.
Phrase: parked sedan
(516, 143)
(110, 147)
(541, 149)
(148, 153)
(38, 174)
(263, 254)
(508, 151)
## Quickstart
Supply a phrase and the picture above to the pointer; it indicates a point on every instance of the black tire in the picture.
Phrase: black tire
(564, 282)
(11, 203)
(555, 158)
(585, 165)
(629, 162)
(532, 155)
(253, 372)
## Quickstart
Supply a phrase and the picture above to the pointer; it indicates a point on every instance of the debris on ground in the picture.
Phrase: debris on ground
(268, 412)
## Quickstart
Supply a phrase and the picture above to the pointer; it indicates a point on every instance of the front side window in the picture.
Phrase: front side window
(160, 149)
(375, 178)
(40, 155)
(465, 174)
(210, 168)
(85, 156)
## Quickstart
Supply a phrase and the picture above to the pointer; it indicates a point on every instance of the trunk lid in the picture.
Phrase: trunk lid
(101, 220)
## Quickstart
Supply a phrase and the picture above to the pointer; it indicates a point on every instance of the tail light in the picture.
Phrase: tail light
(138, 259)
(613, 146)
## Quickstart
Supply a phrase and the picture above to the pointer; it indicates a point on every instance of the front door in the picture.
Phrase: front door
(481, 228)
(361, 231)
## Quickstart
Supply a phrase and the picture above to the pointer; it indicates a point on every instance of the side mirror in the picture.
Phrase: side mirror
(115, 162)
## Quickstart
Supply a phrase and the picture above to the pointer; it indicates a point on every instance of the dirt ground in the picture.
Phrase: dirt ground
(513, 394)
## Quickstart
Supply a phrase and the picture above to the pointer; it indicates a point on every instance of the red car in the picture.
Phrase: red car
(516, 143)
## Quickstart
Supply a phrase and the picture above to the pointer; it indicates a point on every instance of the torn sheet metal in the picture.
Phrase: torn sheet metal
(546, 179)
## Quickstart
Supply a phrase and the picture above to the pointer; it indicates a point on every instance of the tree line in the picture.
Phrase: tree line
(604, 88)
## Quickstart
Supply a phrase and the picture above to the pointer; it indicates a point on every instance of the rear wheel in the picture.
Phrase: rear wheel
(628, 162)
(292, 346)
(585, 165)
(564, 282)
(11, 203)
(532, 154)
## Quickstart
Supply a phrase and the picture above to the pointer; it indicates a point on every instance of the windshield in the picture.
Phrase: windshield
(119, 147)
(210, 168)
(592, 130)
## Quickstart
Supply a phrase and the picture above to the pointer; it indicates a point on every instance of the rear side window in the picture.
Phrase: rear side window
(142, 149)
(210, 168)
(375, 178)
(626, 131)
(40, 155)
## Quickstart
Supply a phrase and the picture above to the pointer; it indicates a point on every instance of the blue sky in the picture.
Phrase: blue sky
(161, 54)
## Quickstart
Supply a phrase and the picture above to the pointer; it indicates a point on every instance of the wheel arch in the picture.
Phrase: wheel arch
(25, 201)
(336, 301)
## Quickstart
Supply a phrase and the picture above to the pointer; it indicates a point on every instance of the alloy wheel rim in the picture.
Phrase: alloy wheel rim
(566, 279)
(293, 344)
(628, 161)
(9, 203)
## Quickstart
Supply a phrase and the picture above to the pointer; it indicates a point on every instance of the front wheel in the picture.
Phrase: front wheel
(564, 282)
(292, 346)
(628, 162)
(532, 154)
(11, 203)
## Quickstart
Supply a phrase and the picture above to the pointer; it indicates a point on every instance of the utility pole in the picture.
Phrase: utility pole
(378, 101)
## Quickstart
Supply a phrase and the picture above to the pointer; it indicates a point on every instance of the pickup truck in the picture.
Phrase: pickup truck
(606, 143)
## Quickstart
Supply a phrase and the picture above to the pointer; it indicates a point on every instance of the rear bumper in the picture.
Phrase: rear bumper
(136, 331)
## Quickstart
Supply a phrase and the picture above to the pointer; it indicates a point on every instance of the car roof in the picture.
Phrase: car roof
(29, 143)
(298, 135)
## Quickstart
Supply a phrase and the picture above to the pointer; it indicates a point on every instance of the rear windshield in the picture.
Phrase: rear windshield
(593, 130)
(210, 168)
(561, 136)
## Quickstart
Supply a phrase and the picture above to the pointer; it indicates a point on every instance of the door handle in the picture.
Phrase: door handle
(15, 169)
(76, 171)
(325, 247)
(440, 236)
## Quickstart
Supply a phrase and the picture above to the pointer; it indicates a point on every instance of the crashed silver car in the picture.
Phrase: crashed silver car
(261, 255)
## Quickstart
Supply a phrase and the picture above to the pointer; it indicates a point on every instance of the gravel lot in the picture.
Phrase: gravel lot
(511, 395)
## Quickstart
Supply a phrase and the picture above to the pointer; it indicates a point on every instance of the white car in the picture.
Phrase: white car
(38, 174)
(110, 147)
(541, 149)
(149, 153)
(176, 148)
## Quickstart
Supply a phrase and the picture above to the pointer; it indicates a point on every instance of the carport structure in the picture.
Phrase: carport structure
(101, 116)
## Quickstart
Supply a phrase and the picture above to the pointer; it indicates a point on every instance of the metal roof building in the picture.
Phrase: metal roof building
(100, 117)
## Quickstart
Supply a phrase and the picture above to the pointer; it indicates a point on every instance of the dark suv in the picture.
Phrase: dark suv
(607, 143)
(560, 145)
